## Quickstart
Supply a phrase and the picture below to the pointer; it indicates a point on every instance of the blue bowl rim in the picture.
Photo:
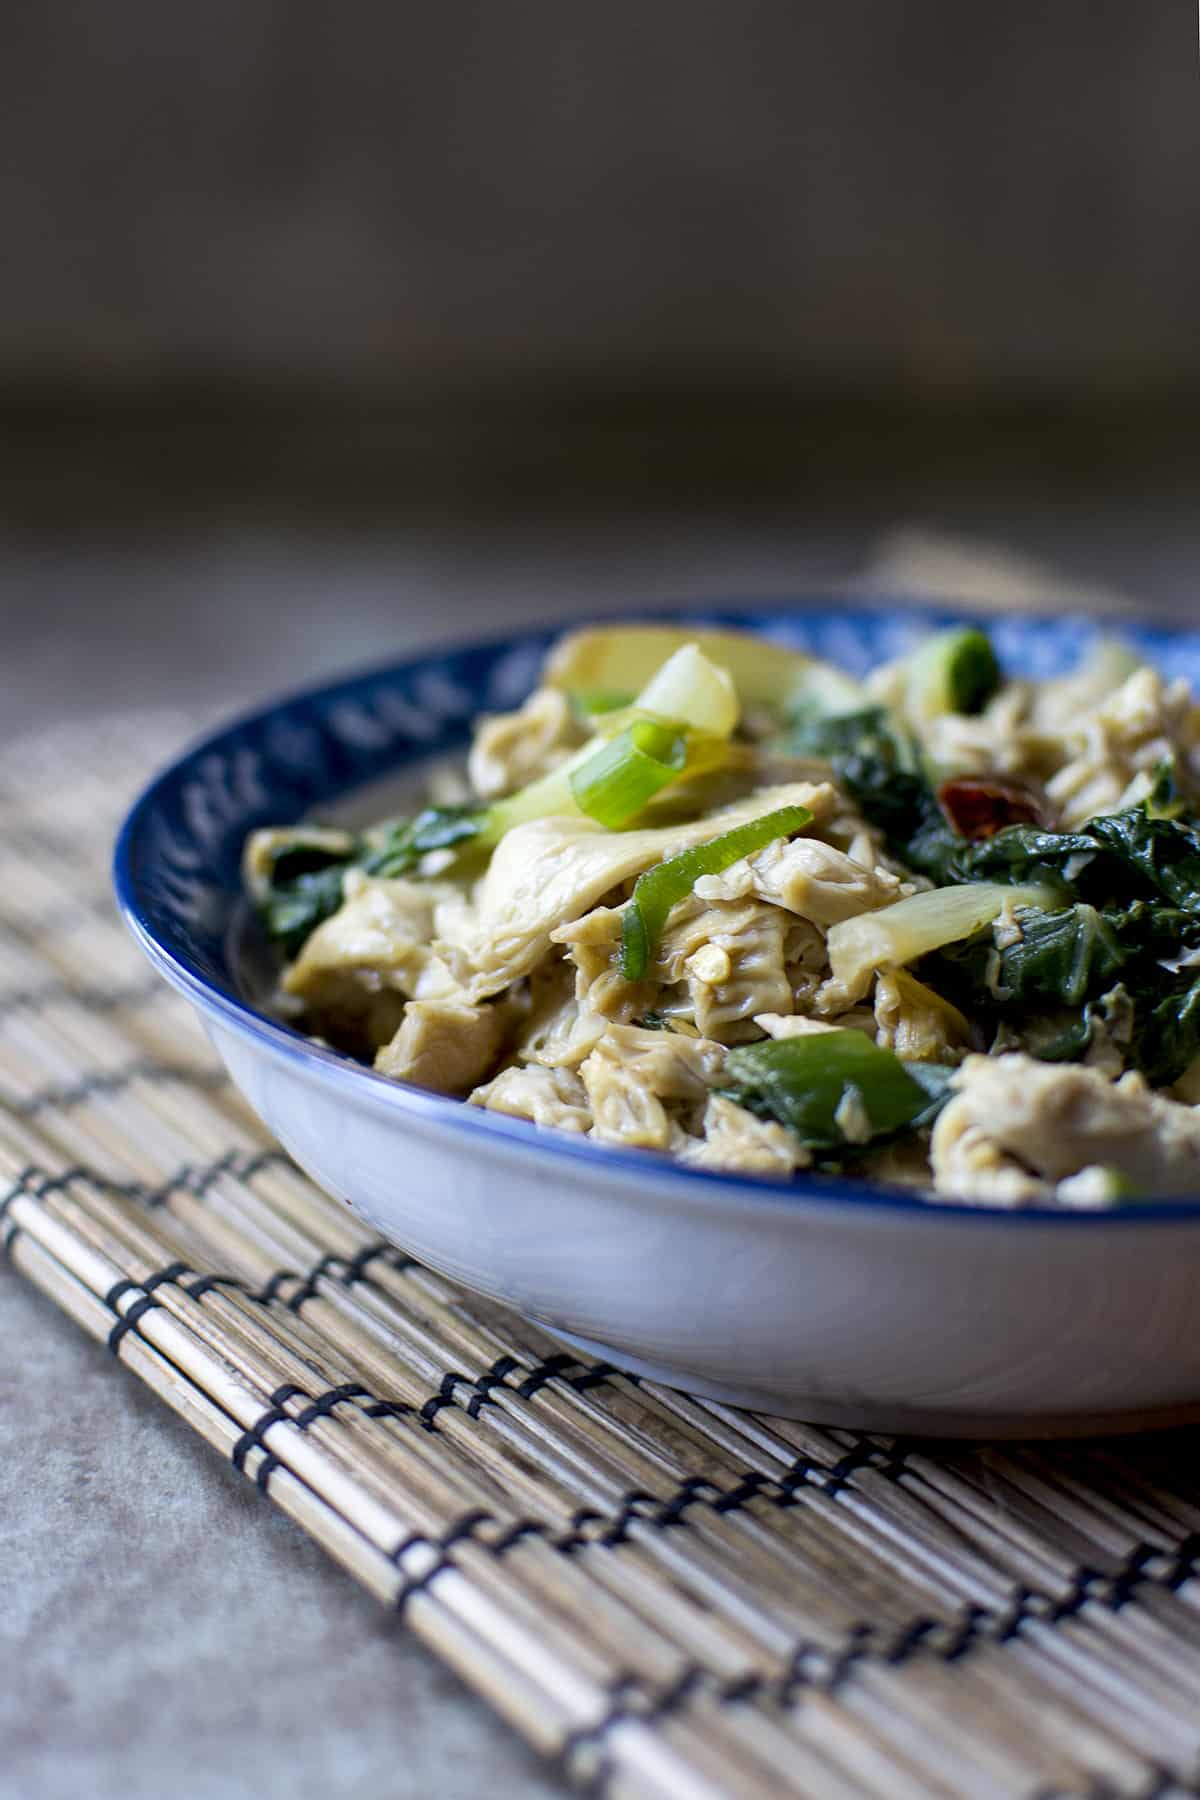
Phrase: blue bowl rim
(803, 1191)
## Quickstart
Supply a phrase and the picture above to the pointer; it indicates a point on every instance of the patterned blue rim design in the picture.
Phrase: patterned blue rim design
(177, 867)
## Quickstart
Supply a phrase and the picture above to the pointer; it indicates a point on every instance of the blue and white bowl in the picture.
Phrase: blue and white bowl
(819, 1297)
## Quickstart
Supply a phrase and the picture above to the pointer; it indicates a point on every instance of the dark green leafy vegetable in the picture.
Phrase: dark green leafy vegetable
(654, 1021)
(406, 842)
(1062, 956)
(1166, 799)
(292, 910)
(1057, 1036)
(836, 1090)
(301, 856)
(1115, 859)
(813, 731)
(901, 803)
(1022, 853)
(1049, 984)
(661, 887)
(1164, 853)
(1167, 1034)
(1070, 954)
(1130, 883)
(878, 762)
(305, 880)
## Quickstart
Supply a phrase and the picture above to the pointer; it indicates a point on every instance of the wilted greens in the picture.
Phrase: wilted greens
(303, 883)
(941, 882)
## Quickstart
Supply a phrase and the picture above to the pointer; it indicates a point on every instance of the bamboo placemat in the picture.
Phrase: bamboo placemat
(671, 1598)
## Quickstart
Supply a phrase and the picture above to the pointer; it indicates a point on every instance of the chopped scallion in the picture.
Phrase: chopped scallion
(592, 702)
(835, 1089)
(660, 888)
(615, 784)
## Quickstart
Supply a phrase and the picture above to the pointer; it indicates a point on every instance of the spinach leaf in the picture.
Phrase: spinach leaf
(306, 880)
(1022, 853)
(1066, 956)
(1057, 1036)
(812, 731)
(1115, 859)
(1049, 985)
(901, 803)
(293, 908)
(407, 841)
(1167, 1035)
(1164, 854)
(302, 885)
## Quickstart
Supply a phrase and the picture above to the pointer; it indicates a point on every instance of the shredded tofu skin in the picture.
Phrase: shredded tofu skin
(933, 925)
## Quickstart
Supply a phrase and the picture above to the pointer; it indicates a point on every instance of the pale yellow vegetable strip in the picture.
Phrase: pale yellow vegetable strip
(911, 928)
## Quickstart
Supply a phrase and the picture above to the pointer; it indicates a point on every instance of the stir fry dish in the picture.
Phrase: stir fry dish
(705, 895)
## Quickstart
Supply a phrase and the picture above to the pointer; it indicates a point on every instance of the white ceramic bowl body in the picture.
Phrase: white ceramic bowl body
(820, 1298)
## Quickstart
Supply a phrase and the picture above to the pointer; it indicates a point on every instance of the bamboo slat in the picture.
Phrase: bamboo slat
(669, 1597)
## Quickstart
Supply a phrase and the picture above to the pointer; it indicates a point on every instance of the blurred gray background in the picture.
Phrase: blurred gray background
(383, 260)
(925, 192)
(328, 330)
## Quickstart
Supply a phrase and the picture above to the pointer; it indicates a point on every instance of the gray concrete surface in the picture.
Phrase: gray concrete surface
(951, 192)
(163, 1632)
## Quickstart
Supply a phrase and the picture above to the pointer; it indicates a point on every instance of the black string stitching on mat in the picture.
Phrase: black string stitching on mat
(45, 840)
(207, 1284)
(546, 1371)
(91, 999)
(114, 1081)
(428, 1412)
(324, 1404)
(320, 1406)
(389, 1409)
(20, 1188)
(192, 1178)
(197, 1178)
(809, 1665)
(463, 1529)
(126, 1321)
(629, 1701)
(60, 921)
(31, 1184)
(347, 1270)
(196, 1181)
(638, 1506)
(252, 1439)
(641, 1507)
(979, 1624)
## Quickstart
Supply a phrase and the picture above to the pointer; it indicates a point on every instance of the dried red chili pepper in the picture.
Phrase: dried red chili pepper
(979, 806)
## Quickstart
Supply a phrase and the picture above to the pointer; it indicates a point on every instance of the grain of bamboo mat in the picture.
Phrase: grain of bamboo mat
(672, 1598)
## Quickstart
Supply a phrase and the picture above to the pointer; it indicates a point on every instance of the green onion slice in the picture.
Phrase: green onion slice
(592, 702)
(660, 888)
(954, 671)
(834, 1089)
(615, 784)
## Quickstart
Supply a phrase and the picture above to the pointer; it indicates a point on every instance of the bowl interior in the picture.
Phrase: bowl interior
(351, 748)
